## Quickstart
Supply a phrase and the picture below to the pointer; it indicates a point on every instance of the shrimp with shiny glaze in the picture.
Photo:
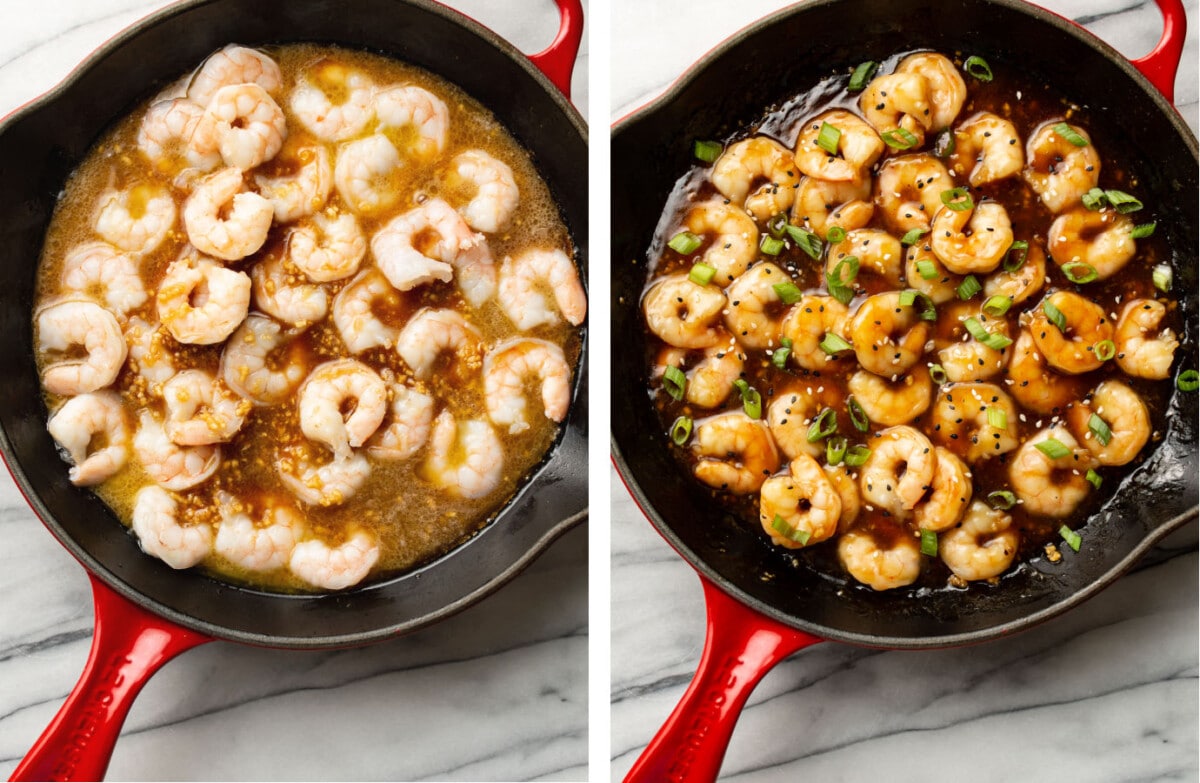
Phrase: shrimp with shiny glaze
(858, 147)
(986, 149)
(1034, 385)
(313, 106)
(200, 410)
(962, 424)
(328, 248)
(92, 429)
(465, 458)
(735, 452)
(173, 131)
(496, 193)
(364, 174)
(223, 219)
(1057, 170)
(710, 381)
(1101, 239)
(1145, 349)
(1051, 487)
(888, 337)
(678, 311)
(1126, 416)
(1071, 349)
(401, 108)
(201, 302)
(899, 470)
(405, 432)
(789, 417)
(249, 367)
(398, 257)
(527, 278)
(821, 205)
(971, 240)
(803, 502)
(891, 402)
(282, 290)
(155, 521)
(98, 269)
(948, 496)
(886, 565)
(754, 315)
(963, 357)
(355, 318)
(230, 66)
(262, 544)
(249, 125)
(168, 464)
(734, 238)
(507, 368)
(75, 322)
(806, 325)
(335, 567)
(898, 101)
(431, 332)
(878, 253)
(329, 484)
(941, 286)
(300, 192)
(1021, 283)
(982, 546)
(149, 357)
(947, 90)
(740, 172)
(341, 404)
(908, 191)
(847, 489)
(137, 219)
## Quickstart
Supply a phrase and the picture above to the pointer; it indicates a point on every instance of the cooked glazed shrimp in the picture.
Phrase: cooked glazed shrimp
(740, 172)
(249, 368)
(99, 270)
(149, 357)
(526, 279)
(710, 381)
(431, 332)
(941, 285)
(806, 325)
(328, 248)
(354, 316)
(507, 368)
(1124, 413)
(1021, 283)
(789, 417)
(908, 191)
(1051, 487)
(1034, 385)
(820, 205)
(678, 311)
(223, 219)
(249, 125)
(888, 337)
(948, 496)
(465, 458)
(314, 107)
(335, 567)
(400, 108)
(365, 173)
(341, 404)
(879, 565)
(496, 193)
(899, 470)
(230, 66)
(986, 149)
(735, 452)
(137, 220)
(878, 253)
(172, 466)
(155, 520)
(200, 410)
(1057, 170)
(263, 544)
(1073, 348)
(898, 101)
(395, 245)
(858, 147)
(971, 240)
(407, 428)
(847, 489)
(734, 238)
(963, 357)
(282, 290)
(1103, 240)
(962, 423)
(754, 314)
(93, 431)
(201, 302)
(1144, 350)
(306, 186)
(71, 323)
(328, 484)
(982, 546)
(803, 503)
(173, 131)
(892, 402)
(947, 90)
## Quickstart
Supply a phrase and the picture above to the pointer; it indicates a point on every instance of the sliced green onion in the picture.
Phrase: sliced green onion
(1144, 230)
(958, 199)
(996, 306)
(780, 526)
(968, 288)
(1094, 478)
(780, 355)
(1189, 380)
(1078, 272)
(685, 243)
(751, 399)
(978, 67)
(835, 450)
(944, 144)
(910, 297)
(835, 234)
(828, 138)
(823, 426)
(938, 373)
(1100, 429)
(777, 225)
(913, 236)
(681, 430)
(862, 74)
(1094, 199)
(857, 456)
(707, 151)
(1022, 249)
(806, 240)
(899, 139)
(1163, 278)
(1070, 134)
(997, 418)
(839, 282)
(675, 382)
(787, 292)
(907, 297)
(1122, 202)
(926, 269)
(995, 341)
(1001, 499)
(1105, 350)
(769, 245)
(833, 344)
(702, 274)
(929, 542)
(1055, 315)
(1052, 448)
(858, 417)
(1071, 537)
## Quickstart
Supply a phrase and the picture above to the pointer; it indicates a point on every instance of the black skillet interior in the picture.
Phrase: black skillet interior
(39, 146)
(786, 55)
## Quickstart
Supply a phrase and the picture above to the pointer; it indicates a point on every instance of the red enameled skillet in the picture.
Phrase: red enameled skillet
(145, 612)
(753, 623)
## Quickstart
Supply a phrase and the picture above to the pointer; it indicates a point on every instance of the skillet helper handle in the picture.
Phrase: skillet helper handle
(557, 60)
(128, 646)
(1161, 64)
(739, 648)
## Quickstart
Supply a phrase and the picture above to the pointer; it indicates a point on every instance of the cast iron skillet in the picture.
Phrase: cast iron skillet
(752, 622)
(145, 612)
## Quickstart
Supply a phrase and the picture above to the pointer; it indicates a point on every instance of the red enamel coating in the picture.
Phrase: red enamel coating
(1161, 64)
(128, 646)
(557, 60)
(739, 648)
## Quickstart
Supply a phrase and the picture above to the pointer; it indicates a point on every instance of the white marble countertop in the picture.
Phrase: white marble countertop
(1106, 692)
(498, 692)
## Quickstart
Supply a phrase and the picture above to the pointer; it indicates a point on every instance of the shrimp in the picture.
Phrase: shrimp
(962, 422)
(79, 323)
(1051, 487)
(302, 191)
(1071, 349)
(247, 366)
(735, 452)
(1125, 415)
(1102, 240)
(263, 544)
(399, 109)
(335, 568)
(329, 248)
(948, 496)
(282, 290)
(526, 279)
(1021, 283)
(892, 402)
(740, 172)
(909, 189)
(432, 331)
(223, 219)
(982, 546)
(888, 337)
(137, 220)
(155, 521)
(962, 357)
(881, 565)
(986, 149)
(710, 382)
(678, 311)
(173, 132)
(329, 484)
(341, 404)
(847, 489)
(941, 285)
(200, 410)
(360, 328)
(1139, 354)
(1057, 170)
(496, 194)
(734, 237)
(249, 125)
(101, 270)
(899, 470)
(753, 315)
(411, 414)
(800, 508)
(447, 244)
(365, 174)
(858, 147)
(148, 356)
(789, 417)
(1036, 387)
(971, 240)
(465, 459)
(168, 464)
(231, 66)
(201, 302)
(806, 325)
(506, 369)
(877, 252)
(92, 429)
(820, 205)
(947, 90)
(898, 102)
(311, 102)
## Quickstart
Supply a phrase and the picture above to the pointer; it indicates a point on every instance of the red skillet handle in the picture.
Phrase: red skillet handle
(1160, 65)
(557, 60)
(128, 646)
(740, 647)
